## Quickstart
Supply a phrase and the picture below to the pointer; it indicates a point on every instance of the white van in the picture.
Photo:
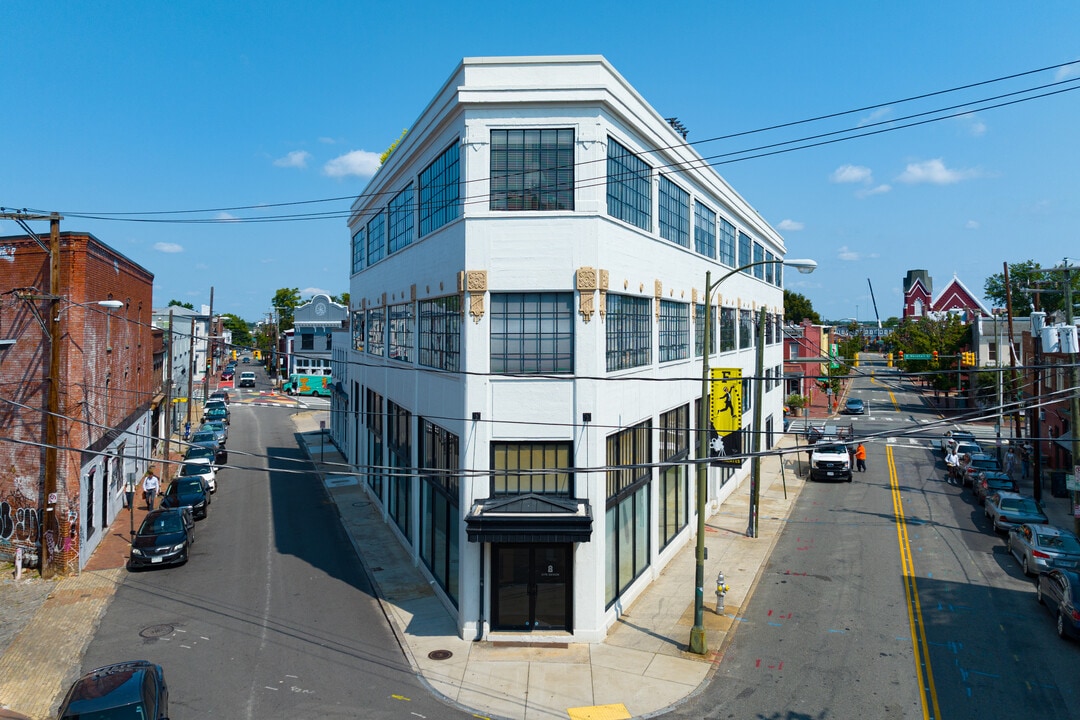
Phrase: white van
(247, 379)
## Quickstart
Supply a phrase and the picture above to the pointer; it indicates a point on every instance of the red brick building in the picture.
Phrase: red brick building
(106, 386)
(803, 344)
(920, 300)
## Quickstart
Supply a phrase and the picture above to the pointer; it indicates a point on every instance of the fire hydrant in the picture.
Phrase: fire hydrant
(721, 591)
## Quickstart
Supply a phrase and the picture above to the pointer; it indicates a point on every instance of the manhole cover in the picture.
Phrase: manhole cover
(440, 654)
(156, 631)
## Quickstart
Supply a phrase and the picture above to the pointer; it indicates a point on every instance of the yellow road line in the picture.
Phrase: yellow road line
(920, 645)
(892, 397)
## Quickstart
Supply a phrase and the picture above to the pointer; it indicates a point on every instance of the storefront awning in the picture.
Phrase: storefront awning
(1065, 441)
(530, 518)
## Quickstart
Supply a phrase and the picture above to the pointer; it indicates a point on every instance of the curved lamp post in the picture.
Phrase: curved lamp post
(697, 632)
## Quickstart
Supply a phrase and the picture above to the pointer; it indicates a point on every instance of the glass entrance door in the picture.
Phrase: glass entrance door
(533, 587)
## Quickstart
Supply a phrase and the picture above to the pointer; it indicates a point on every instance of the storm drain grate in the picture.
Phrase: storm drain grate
(440, 655)
(156, 631)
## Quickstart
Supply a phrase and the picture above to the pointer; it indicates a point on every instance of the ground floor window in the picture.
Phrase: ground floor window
(627, 529)
(399, 481)
(374, 417)
(440, 511)
(674, 512)
(532, 586)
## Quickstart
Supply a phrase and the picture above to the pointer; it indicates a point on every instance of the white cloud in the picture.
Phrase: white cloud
(226, 217)
(295, 159)
(934, 172)
(790, 225)
(167, 247)
(877, 116)
(313, 291)
(971, 225)
(879, 190)
(852, 174)
(360, 163)
(973, 124)
(847, 254)
(1071, 70)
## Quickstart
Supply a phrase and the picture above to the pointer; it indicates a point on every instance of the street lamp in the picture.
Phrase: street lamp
(697, 632)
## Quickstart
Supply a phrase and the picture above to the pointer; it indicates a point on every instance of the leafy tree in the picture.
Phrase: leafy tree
(342, 299)
(924, 336)
(241, 335)
(1024, 277)
(285, 302)
(798, 307)
(177, 303)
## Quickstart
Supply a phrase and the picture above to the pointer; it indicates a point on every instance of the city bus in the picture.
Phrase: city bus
(308, 385)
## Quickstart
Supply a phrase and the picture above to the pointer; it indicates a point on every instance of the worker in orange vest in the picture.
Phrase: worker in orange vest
(860, 458)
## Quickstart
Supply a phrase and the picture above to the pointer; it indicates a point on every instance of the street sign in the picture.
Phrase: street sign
(918, 356)
(1071, 482)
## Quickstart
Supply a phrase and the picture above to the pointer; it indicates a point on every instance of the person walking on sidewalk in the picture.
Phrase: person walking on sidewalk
(150, 486)
(1010, 463)
(129, 491)
(860, 458)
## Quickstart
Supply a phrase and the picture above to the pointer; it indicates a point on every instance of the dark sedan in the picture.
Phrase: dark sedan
(1059, 590)
(133, 689)
(163, 538)
(988, 483)
(190, 492)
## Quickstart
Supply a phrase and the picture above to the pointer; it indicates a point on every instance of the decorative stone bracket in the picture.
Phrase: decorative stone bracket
(475, 283)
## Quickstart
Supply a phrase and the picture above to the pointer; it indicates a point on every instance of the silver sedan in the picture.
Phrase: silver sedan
(1008, 508)
(1039, 548)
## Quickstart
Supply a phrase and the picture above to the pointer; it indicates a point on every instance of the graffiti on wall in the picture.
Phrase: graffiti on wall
(20, 522)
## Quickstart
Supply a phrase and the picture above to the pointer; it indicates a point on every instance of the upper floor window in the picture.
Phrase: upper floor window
(745, 250)
(532, 332)
(358, 251)
(401, 326)
(440, 191)
(402, 219)
(759, 257)
(440, 332)
(770, 264)
(629, 452)
(674, 330)
(376, 238)
(674, 213)
(376, 331)
(629, 187)
(704, 230)
(727, 243)
(629, 332)
(699, 329)
(746, 329)
(727, 329)
(532, 169)
(307, 341)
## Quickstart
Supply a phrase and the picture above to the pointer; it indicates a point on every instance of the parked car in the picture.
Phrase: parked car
(163, 538)
(133, 689)
(190, 492)
(227, 374)
(989, 482)
(201, 468)
(978, 463)
(222, 395)
(1040, 548)
(197, 452)
(245, 359)
(854, 406)
(1006, 509)
(219, 428)
(216, 412)
(1059, 590)
(205, 438)
(951, 437)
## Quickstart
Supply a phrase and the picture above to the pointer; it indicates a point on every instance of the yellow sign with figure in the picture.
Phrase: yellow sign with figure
(725, 415)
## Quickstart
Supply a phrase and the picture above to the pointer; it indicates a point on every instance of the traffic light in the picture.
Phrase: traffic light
(967, 358)
(934, 354)
(900, 354)
(888, 358)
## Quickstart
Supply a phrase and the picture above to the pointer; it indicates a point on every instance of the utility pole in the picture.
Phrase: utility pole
(50, 485)
(191, 366)
(209, 348)
(168, 388)
(1018, 427)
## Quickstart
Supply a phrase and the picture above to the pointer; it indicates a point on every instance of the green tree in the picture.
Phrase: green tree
(798, 307)
(1023, 278)
(926, 335)
(342, 299)
(177, 303)
(241, 335)
(285, 302)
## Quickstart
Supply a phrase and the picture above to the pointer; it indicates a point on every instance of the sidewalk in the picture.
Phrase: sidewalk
(641, 668)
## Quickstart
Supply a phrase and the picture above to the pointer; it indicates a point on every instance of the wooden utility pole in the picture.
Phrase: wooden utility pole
(210, 329)
(50, 484)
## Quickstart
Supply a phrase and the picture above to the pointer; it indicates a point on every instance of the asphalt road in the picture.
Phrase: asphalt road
(890, 597)
(273, 616)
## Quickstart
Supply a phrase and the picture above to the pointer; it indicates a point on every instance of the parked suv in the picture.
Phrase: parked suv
(247, 379)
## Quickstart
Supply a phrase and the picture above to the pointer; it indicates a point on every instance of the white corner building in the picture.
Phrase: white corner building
(520, 393)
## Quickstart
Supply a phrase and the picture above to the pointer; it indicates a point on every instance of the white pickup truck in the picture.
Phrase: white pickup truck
(830, 460)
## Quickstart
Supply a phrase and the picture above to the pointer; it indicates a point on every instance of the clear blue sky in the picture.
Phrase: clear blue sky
(136, 107)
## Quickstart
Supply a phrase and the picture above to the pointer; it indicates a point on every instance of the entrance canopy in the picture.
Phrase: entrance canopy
(529, 518)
